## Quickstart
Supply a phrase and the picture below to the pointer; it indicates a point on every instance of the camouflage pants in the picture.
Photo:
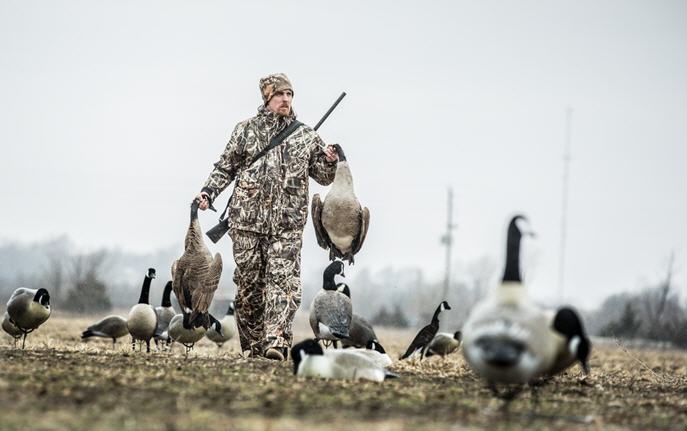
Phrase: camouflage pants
(268, 270)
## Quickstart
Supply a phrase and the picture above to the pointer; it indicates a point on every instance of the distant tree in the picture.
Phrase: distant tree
(396, 319)
(627, 326)
(87, 293)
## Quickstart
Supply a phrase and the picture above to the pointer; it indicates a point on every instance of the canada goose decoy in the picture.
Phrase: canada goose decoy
(360, 331)
(375, 352)
(165, 312)
(196, 274)
(331, 310)
(444, 344)
(426, 334)
(142, 320)
(110, 327)
(574, 346)
(228, 324)
(509, 340)
(340, 221)
(11, 328)
(28, 309)
(181, 331)
(310, 360)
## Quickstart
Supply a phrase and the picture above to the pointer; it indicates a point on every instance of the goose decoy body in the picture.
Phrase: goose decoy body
(360, 331)
(142, 320)
(228, 324)
(507, 339)
(444, 344)
(165, 312)
(109, 327)
(28, 309)
(11, 329)
(310, 360)
(340, 221)
(426, 334)
(375, 352)
(196, 274)
(331, 310)
(187, 334)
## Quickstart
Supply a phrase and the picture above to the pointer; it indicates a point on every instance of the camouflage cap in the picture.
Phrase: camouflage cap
(271, 84)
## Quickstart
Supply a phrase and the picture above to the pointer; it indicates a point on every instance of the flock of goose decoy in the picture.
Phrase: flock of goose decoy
(507, 339)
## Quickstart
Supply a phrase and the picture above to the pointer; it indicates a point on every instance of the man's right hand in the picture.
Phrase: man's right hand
(204, 201)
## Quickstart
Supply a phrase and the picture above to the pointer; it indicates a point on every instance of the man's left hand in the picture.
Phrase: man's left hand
(330, 154)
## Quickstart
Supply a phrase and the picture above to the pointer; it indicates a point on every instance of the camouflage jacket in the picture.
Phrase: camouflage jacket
(271, 195)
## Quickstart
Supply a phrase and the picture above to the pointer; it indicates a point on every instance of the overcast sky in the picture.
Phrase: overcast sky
(112, 114)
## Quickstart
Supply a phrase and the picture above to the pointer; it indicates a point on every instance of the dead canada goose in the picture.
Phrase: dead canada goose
(507, 339)
(310, 360)
(11, 328)
(165, 312)
(340, 221)
(360, 331)
(196, 275)
(187, 335)
(426, 334)
(228, 324)
(142, 319)
(331, 310)
(110, 327)
(444, 344)
(28, 309)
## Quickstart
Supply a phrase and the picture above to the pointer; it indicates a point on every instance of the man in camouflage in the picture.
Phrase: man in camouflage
(267, 213)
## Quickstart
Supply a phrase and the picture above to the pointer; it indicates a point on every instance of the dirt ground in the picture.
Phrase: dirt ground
(59, 382)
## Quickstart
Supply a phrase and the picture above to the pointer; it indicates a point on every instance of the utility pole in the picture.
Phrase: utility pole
(564, 207)
(447, 240)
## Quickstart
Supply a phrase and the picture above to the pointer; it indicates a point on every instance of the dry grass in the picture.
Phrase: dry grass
(58, 382)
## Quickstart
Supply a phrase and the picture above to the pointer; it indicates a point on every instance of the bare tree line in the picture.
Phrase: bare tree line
(99, 280)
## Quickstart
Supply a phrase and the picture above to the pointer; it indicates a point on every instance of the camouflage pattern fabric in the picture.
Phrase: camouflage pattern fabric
(267, 274)
(271, 195)
(272, 84)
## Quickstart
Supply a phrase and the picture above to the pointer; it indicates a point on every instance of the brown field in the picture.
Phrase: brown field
(59, 382)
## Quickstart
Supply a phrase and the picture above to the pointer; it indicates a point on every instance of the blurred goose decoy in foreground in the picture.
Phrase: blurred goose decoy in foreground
(196, 275)
(340, 221)
(110, 327)
(228, 324)
(444, 344)
(509, 340)
(187, 335)
(331, 310)
(142, 320)
(426, 334)
(28, 309)
(165, 312)
(11, 329)
(310, 360)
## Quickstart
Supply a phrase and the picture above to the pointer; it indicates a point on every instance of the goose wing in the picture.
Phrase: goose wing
(178, 281)
(334, 310)
(422, 339)
(320, 232)
(362, 233)
(204, 292)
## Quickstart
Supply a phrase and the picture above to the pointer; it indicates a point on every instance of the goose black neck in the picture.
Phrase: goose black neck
(512, 271)
(435, 318)
(328, 280)
(194, 210)
(166, 302)
(145, 291)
